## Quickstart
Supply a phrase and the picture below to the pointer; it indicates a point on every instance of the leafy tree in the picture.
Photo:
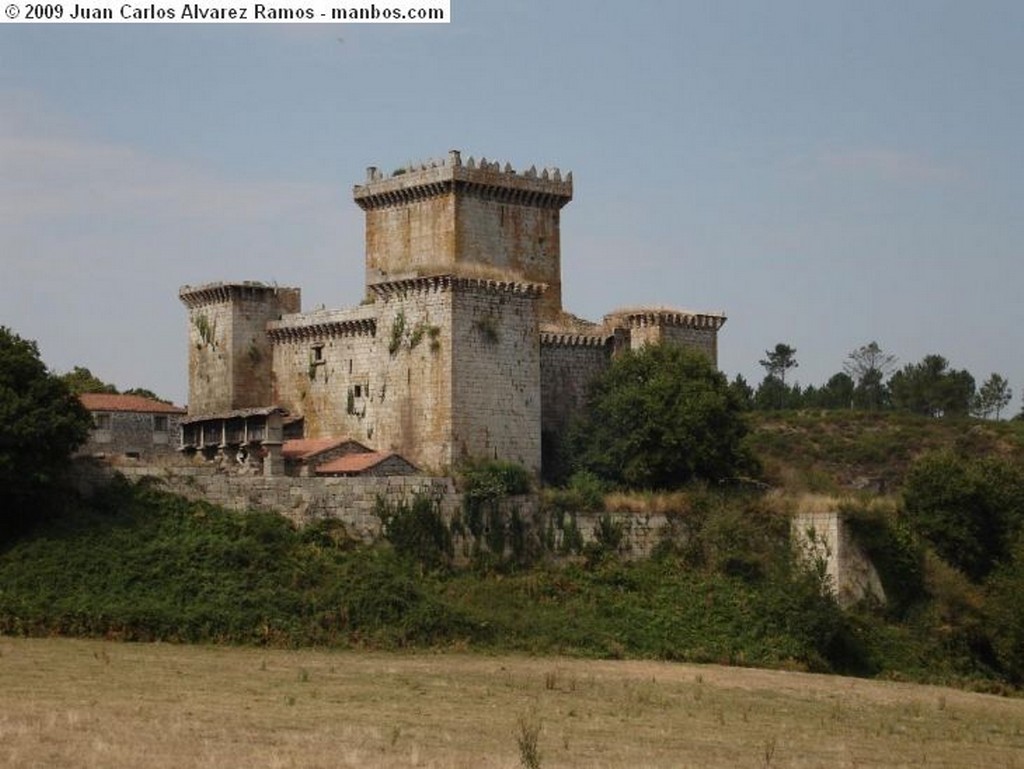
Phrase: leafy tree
(1005, 618)
(81, 380)
(145, 393)
(743, 391)
(660, 417)
(780, 360)
(868, 366)
(776, 363)
(837, 393)
(773, 393)
(932, 388)
(41, 423)
(994, 396)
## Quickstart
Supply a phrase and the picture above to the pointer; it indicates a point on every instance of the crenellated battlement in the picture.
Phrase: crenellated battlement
(644, 317)
(488, 179)
(220, 292)
(568, 339)
(322, 324)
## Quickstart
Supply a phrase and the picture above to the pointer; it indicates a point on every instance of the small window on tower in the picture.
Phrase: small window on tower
(318, 353)
(358, 391)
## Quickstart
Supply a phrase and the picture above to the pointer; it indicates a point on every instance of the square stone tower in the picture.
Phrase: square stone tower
(229, 353)
(468, 219)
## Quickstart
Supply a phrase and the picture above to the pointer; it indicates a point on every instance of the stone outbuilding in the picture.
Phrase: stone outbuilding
(131, 426)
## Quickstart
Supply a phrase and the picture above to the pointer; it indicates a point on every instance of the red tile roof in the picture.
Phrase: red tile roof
(352, 463)
(137, 403)
(304, 448)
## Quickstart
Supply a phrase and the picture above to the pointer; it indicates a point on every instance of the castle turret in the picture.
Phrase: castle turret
(229, 355)
(475, 218)
(664, 325)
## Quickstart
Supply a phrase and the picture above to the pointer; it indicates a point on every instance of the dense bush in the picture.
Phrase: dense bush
(660, 417)
(416, 530)
(896, 553)
(968, 509)
(1005, 616)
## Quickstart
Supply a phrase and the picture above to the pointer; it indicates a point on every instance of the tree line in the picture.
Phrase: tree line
(872, 380)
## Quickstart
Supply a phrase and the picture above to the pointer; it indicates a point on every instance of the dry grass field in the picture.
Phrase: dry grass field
(91, 704)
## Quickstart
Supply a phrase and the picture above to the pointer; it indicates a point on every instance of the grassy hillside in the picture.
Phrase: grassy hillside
(724, 586)
(139, 564)
(834, 451)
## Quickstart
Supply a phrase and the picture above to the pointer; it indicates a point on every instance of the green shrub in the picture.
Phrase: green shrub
(896, 553)
(968, 509)
(659, 418)
(417, 530)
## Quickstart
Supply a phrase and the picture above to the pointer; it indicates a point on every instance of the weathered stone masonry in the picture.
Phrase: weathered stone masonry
(462, 348)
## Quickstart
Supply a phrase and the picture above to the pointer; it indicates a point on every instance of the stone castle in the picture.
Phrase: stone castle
(461, 348)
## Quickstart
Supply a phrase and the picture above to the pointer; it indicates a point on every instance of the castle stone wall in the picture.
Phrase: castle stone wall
(701, 339)
(567, 367)
(523, 240)
(410, 401)
(468, 219)
(318, 360)
(495, 373)
(403, 241)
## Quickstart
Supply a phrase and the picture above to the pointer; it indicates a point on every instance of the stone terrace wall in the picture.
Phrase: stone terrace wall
(825, 535)
(353, 500)
(301, 500)
(350, 500)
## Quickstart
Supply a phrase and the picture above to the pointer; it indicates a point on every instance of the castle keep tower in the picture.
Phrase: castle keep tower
(469, 219)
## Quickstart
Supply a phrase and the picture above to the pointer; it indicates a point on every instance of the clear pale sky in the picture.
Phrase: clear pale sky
(825, 173)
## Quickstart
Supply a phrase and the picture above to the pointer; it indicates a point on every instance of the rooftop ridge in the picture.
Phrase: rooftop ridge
(448, 282)
(121, 402)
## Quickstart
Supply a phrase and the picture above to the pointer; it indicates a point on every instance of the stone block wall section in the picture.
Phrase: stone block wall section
(325, 369)
(654, 325)
(305, 500)
(496, 372)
